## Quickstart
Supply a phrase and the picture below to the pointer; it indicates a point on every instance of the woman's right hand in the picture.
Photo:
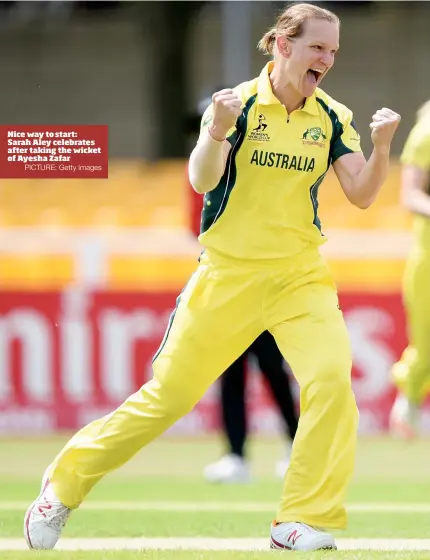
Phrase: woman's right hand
(227, 107)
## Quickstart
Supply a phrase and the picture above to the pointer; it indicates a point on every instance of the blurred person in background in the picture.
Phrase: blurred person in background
(412, 373)
(233, 467)
(263, 151)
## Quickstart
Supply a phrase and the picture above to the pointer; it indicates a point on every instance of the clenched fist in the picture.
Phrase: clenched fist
(383, 126)
(226, 109)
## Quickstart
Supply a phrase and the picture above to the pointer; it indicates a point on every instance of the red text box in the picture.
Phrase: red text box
(53, 151)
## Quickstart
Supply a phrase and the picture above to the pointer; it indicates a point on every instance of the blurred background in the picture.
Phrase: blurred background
(90, 269)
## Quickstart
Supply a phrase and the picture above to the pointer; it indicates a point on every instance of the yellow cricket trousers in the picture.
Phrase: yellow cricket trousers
(412, 373)
(224, 307)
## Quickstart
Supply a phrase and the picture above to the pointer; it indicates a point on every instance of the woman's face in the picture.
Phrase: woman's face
(308, 58)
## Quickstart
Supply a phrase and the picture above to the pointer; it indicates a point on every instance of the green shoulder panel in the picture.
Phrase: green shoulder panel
(337, 147)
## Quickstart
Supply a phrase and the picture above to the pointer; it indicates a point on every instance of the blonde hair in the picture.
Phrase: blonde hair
(290, 24)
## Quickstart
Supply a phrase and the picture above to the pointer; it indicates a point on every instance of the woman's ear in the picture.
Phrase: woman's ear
(283, 45)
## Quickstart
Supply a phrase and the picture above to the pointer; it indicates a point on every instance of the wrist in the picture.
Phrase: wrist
(216, 133)
(382, 150)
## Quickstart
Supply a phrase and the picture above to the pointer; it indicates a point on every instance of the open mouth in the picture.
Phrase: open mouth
(314, 75)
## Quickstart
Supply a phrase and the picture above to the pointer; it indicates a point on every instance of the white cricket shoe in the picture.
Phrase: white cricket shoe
(45, 519)
(298, 536)
(230, 469)
(404, 418)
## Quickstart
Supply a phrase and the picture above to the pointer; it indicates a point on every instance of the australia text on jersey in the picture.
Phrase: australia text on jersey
(284, 161)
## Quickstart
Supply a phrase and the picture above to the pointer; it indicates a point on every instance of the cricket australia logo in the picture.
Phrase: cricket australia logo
(314, 136)
(258, 133)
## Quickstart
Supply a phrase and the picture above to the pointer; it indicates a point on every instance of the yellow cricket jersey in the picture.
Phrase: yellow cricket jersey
(417, 152)
(266, 203)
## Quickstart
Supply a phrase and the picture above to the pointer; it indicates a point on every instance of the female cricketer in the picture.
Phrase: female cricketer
(263, 151)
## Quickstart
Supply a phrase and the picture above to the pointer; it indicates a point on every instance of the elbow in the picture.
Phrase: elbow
(195, 181)
(361, 196)
(363, 203)
(194, 177)
(200, 189)
(198, 185)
